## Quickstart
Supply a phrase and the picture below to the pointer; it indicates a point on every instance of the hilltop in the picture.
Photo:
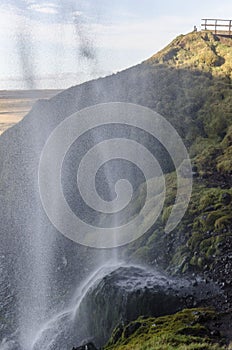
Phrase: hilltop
(198, 50)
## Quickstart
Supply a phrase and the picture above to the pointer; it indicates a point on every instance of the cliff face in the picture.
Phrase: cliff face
(189, 83)
(197, 99)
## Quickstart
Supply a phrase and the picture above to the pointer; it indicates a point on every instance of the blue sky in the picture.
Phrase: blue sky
(58, 43)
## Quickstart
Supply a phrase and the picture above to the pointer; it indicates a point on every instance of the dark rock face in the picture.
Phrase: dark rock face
(88, 346)
(129, 292)
(226, 198)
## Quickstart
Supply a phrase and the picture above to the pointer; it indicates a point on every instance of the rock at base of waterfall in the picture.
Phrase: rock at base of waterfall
(129, 292)
(89, 346)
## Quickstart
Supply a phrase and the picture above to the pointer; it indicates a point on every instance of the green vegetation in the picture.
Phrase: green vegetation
(186, 330)
(208, 94)
(190, 84)
(194, 76)
(198, 240)
(197, 50)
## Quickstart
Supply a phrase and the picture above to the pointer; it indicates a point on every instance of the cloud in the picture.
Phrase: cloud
(57, 41)
(135, 35)
(46, 8)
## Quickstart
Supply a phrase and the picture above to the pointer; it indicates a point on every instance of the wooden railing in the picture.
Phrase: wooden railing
(221, 27)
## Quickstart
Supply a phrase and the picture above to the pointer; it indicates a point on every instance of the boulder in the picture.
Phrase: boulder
(129, 292)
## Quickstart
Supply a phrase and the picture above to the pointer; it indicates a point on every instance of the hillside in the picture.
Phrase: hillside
(204, 236)
(189, 83)
(202, 244)
(198, 50)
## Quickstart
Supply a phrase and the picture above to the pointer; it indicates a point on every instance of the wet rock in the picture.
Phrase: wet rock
(226, 198)
(117, 333)
(194, 169)
(129, 292)
(88, 346)
(132, 328)
(215, 333)
(210, 208)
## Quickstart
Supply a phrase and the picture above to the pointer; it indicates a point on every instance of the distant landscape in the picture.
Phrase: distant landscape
(15, 104)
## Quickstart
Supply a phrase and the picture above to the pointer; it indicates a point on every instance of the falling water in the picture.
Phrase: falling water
(40, 322)
(61, 331)
(34, 262)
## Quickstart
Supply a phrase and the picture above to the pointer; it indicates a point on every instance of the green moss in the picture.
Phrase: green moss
(211, 251)
(213, 213)
(194, 260)
(166, 213)
(200, 144)
(224, 162)
(194, 241)
(188, 329)
(211, 154)
(154, 236)
(223, 222)
(211, 218)
(200, 262)
(209, 197)
(141, 255)
(194, 244)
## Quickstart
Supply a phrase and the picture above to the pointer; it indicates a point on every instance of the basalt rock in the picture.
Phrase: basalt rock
(129, 292)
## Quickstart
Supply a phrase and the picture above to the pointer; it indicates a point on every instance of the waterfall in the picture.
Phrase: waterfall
(35, 285)
(36, 266)
(61, 331)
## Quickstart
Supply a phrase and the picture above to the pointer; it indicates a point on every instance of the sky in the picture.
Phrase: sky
(60, 43)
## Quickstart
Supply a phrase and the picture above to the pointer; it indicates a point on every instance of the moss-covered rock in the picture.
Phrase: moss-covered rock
(128, 292)
(198, 241)
(190, 329)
